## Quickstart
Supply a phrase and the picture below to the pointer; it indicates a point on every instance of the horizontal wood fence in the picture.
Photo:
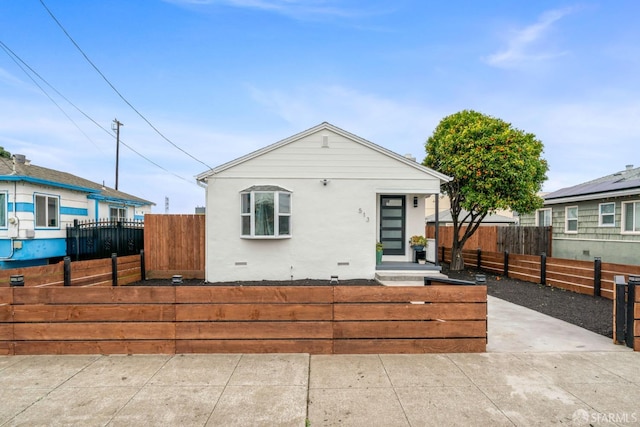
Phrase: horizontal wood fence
(97, 272)
(585, 277)
(243, 319)
(174, 244)
(529, 240)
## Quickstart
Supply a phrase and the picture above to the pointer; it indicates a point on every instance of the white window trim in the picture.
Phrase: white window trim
(600, 215)
(276, 215)
(624, 214)
(566, 219)
(123, 208)
(538, 217)
(4, 225)
(35, 213)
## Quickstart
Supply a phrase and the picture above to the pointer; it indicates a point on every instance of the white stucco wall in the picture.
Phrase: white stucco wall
(334, 228)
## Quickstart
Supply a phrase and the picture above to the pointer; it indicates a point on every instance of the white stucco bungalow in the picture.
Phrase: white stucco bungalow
(313, 206)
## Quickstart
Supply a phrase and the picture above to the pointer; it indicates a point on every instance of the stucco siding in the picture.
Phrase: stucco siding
(334, 229)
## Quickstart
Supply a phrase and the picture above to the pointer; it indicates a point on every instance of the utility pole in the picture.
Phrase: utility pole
(116, 127)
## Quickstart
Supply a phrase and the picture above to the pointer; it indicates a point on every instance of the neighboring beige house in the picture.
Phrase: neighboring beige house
(444, 209)
(313, 206)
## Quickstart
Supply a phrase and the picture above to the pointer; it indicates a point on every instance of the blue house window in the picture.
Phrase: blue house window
(47, 211)
(265, 212)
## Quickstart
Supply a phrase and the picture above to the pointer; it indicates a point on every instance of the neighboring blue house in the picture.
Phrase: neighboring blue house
(37, 204)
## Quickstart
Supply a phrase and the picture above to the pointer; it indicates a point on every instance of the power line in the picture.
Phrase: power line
(17, 58)
(116, 90)
(13, 57)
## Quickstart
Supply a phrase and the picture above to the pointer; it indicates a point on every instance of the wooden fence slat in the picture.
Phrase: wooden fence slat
(375, 346)
(392, 311)
(94, 313)
(96, 347)
(70, 331)
(255, 330)
(254, 346)
(93, 295)
(255, 312)
(433, 293)
(409, 329)
(261, 294)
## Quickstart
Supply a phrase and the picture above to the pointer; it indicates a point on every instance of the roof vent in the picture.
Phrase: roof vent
(20, 158)
(629, 167)
(410, 157)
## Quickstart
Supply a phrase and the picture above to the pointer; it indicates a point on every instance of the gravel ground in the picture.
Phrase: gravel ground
(592, 313)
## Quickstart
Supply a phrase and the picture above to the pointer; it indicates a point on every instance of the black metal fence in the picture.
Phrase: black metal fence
(102, 238)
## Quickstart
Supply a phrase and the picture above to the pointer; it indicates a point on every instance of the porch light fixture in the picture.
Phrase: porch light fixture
(415, 201)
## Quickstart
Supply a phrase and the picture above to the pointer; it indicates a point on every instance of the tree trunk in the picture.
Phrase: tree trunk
(457, 261)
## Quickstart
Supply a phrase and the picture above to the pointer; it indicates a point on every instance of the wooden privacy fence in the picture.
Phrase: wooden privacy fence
(585, 277)
(114, 271)
(515, 239)
(243, 319)
(174, 244)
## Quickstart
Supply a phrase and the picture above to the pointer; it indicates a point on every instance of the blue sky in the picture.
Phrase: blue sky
(221, 78)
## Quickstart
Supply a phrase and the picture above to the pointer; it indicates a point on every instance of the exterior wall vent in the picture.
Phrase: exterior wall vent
(325, 141)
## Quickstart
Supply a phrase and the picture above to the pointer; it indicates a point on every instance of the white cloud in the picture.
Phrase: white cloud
(401, 126)
(523, 44)
(298, 9)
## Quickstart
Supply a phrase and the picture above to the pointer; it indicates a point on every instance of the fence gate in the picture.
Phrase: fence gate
(624, 309)
(102, 238)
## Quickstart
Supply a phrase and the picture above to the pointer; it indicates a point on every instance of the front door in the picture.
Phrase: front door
(392, 224)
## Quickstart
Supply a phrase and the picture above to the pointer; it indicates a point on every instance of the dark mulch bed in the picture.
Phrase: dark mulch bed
(300, 282)
(592, 313)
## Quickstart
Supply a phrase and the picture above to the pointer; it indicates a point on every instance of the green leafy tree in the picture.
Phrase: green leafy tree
(4, 154)
(493, 165)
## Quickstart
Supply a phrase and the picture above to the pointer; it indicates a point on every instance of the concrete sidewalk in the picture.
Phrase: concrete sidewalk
(587, 380)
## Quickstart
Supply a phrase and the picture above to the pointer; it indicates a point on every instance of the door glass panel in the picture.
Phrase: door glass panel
(392, 202)
(395, 213)
(391, 234)
(391, 223)
(392, 244)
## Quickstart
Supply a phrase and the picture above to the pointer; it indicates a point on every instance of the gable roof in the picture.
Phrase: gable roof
(320, 127)
(622, 183)
(23, 170)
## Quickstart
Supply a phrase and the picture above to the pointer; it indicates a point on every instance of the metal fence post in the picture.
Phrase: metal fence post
(478, 259)
(67, 271)
(143, 268)
(597, 275)
(620, 311)
(114, 269)
(505, 271)
(543, 268)
(631, 302)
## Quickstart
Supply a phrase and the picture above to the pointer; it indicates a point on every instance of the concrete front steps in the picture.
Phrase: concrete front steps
(406, 277)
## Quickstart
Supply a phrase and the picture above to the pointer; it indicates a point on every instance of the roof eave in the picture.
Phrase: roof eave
(592, 196)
